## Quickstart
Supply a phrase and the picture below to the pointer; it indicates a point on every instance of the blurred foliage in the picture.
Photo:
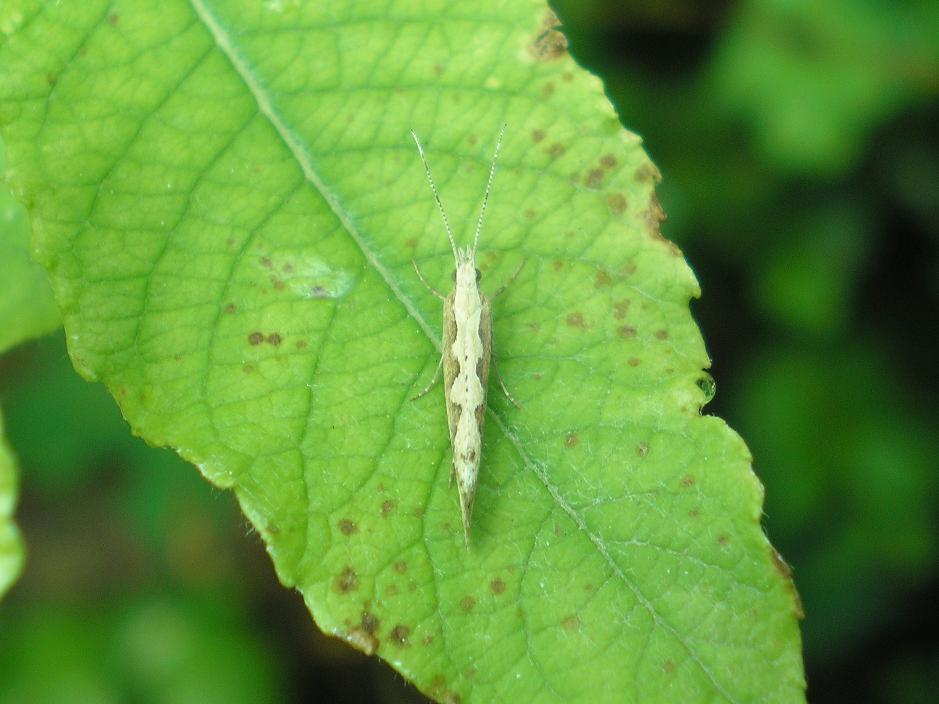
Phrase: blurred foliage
(800, 154)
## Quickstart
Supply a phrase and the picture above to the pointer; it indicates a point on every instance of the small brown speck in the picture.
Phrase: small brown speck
(347, 581)
(567, 76)
(411, 243)
(547, 90)
(661, 334)
(687, 481)
(277, 284)
(647, 172)
(571, 440)
(387, 508)
(231, 308)
(248, 368)
(362, 640)
(537, 135)
(266, 262)
(400, 566)
(607, 161)
(399, 635)
(427, 639)
(347, 527)
(694, 513)
(602, 279)
(530, 214)
(634, 362)
(668, 666)
(642, 449)
(555, 150)
(472, 138)
(438, 70)
(256, 338)
(576, 320)
(620, 308)
(274, 339)
(571, 623)
(113, 19)
(301, 344)
(616, 203)
(626, 332)
(497, 586)
(558, 264)
(594, 178)
(722, 539)
(288, 268)
(370, 622)
(467, 603)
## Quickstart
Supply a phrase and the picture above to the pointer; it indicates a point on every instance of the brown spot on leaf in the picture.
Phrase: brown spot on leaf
(694, 513)
(113, 19)
(347, 581)
(387, 508)
(555, 150)
(620, 308)
(497, 586)
(530, 214)
(634, 361)
(274, 339)
(576, 320)
(399, 635)
(785, 571)
(608, 161)
(687, 481)
(642, 449)
(231, 308)
(722, 539)
(626, 332)
(661, 334)
(288, 268)
(266, 262)
(557, 264)
(602, 279)
(247, 368)
(362, 640)
(571, 623)
(400, 566)
(548, 44)
(547, 90)
(472, 138)
(647, 172)
(256, 338)
(347, 527)
(537, 135)
(594, 178)
(438, 70)
(467, 603)
(571, 440)
(277, 283)
(668, 666)
(370, 622)
(301, 344)
(616, 203)
(628, 270)
(411, 242)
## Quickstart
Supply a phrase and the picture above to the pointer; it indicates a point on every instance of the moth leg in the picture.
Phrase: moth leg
(424, 281)
(505, 390)
(432, 381)
(501, 289)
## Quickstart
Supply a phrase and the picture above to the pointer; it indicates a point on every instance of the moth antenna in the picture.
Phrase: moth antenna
(492, 174)
(433, 188)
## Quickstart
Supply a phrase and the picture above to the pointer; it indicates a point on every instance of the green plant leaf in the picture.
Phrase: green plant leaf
(27, 309)
(228, 202)
(11, 545)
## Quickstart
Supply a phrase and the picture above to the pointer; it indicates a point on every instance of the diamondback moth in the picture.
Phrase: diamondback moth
(467, 347)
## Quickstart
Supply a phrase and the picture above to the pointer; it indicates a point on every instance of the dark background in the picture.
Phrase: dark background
(800, 152)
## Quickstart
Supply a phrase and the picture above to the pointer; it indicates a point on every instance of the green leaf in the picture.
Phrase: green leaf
(27, 309)
(228, 202)
(11, 545)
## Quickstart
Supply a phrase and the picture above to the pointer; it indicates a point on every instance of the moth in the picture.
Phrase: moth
(467, 348)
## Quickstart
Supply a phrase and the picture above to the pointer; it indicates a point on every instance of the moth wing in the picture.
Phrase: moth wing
(451, 365)
(482, 368)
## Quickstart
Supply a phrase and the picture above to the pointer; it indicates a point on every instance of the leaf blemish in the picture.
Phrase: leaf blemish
(537, 136)
(661, 334)
(571, 440)
(256, 338)
(634, 362)
(274, 339)
(594, 178)
(617, 203)
(642, 449)
(387, 508)
(722, 539)
(370, 622)
(626, 332)
(555, 150)
(231, 308)
(608, 161)
(687, 481)
(467, 603)
(266, 262)
(400, 566)
(497, 586)
(571, 623)
(247, 368)
(347, 526)
(576, 320)
(620, 308)
(399, 635)
(603, 279)
(347, 581)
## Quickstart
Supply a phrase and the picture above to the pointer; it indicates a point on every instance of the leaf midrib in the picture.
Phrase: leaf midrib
(301, 155)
